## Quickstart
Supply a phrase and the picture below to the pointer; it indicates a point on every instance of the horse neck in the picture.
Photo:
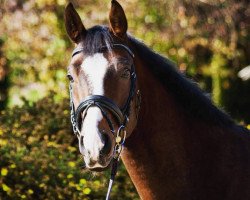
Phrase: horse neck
(154, 153)
(171, 154)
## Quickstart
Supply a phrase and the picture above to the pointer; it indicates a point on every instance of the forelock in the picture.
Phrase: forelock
(96, 38)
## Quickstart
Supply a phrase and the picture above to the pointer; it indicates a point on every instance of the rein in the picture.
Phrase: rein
(105, 104)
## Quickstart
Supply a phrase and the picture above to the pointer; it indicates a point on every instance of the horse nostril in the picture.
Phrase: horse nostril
(107, 144)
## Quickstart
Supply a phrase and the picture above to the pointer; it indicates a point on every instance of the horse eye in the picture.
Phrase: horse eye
(70, 78)
(126, 73)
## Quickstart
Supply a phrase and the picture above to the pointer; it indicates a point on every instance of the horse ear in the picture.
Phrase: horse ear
(117, 20)
(73, 24)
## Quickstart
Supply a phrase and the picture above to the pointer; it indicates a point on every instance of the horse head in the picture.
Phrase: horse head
(102, 86)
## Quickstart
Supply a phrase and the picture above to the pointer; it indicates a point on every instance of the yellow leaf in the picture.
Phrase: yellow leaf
(70, 176)
(61, 2)
(78, 187)
(72, 149)
(3, 142)
(52, 144)
(248, 126)
(30, 191)
(12, 166)
(83, 181)
(71, 164)
(97, 183)
(72, 184)
(41, 185)
(4, 171)
(86, 190)
(5, 188)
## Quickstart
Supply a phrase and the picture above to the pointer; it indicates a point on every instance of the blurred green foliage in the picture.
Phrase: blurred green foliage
(208, 39)
(39, 157)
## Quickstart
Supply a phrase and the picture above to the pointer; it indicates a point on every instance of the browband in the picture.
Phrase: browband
(104, 48)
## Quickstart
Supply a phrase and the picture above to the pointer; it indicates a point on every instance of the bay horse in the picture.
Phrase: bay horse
(178, 144)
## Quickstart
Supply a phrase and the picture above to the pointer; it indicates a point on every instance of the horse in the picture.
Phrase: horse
(179, 145)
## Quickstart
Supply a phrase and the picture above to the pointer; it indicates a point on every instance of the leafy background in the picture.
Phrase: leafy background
(208, 39)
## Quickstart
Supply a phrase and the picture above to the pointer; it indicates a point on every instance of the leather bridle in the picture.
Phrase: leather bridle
(121, 115)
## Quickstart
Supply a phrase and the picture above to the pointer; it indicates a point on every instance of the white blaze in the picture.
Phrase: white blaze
(95, 68)
(92, 138)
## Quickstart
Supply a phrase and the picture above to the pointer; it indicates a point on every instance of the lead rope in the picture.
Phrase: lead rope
(112, 177)
(119, 140)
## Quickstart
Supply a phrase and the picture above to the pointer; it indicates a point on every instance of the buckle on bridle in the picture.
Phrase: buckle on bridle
(119, 141)
(120, 138)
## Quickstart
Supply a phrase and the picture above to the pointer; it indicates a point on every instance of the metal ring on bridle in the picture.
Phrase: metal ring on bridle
(121, 139)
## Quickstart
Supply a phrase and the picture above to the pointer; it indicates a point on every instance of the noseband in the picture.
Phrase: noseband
(105, 104)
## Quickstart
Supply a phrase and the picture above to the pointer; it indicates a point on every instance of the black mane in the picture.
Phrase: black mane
(186, 93)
